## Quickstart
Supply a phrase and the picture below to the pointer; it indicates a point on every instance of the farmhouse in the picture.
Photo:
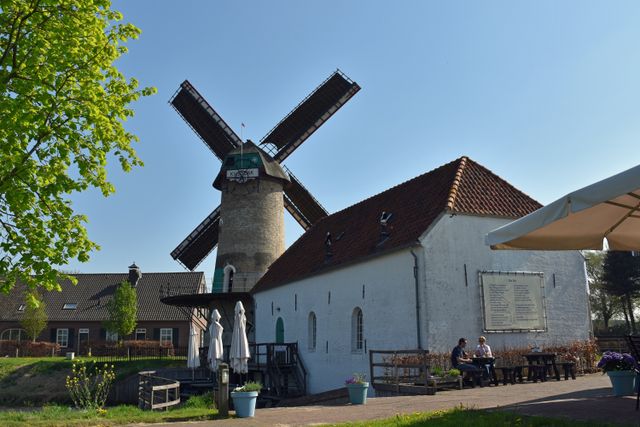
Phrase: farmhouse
(76, 315)
(408, 268)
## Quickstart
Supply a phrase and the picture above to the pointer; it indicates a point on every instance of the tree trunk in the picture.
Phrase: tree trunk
(631, 316)
(626, 318)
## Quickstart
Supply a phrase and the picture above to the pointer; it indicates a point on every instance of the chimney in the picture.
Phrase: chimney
(134, 274)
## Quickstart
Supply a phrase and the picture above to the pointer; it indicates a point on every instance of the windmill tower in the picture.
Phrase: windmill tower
(248, 226)
(251, 230)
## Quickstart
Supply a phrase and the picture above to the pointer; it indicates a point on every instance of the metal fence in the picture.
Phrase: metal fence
(125, 353)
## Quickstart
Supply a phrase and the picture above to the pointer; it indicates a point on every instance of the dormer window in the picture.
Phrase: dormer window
(21, 307)
(70, 306)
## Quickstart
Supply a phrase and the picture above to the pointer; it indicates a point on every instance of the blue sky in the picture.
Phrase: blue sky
(545, 94)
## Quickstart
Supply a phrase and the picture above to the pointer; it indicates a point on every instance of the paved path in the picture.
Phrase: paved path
(587, 398)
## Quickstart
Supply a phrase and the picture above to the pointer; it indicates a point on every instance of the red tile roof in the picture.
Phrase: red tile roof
(462, 186)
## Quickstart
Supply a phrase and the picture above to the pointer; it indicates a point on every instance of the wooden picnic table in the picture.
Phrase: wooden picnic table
(482, 362)
(547, 360)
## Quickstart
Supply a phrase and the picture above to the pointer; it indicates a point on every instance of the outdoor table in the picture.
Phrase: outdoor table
(482, 362)
(548, 360)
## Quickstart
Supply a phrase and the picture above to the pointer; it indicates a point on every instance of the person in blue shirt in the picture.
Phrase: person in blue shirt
(460, 360)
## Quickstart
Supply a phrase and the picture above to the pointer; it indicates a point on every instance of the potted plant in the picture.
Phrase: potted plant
(621, 371)
(244, 399)
(357, 387)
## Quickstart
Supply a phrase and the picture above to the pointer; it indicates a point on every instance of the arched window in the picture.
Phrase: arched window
(227, 282)
(312, 331)
(357, 340)
(13, 335)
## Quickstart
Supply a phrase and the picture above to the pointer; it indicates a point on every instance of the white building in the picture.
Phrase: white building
(404, 270)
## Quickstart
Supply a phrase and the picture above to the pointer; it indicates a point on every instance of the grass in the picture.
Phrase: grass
(29, 381)
(461, 417)
(197, 408)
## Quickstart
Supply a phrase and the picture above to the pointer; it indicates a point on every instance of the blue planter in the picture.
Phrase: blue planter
(245, 403)
(623, 382)
(358, 393)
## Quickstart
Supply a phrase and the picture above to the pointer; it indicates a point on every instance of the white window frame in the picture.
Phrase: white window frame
(62, 337)
(357, 331)
(313, 331)
(21, 307)
(229, 274)
(111, 336)
(22, 334)
(141, 331)
(164, 334)
(70, 306)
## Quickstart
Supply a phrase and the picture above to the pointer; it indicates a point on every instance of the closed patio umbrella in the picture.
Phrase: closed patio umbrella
(608, 209)
(193, 354)
(239, 353)
(216, 349)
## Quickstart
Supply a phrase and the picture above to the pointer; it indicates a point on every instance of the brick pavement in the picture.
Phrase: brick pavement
(587, 398)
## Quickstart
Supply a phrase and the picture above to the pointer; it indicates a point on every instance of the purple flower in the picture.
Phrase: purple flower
(612, 361)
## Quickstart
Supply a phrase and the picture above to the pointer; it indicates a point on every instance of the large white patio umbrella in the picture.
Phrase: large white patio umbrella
(239, 353)
(216, 349)
(193, 353)
(608, 209)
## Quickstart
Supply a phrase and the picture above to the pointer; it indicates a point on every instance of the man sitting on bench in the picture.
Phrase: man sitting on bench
(461, 361)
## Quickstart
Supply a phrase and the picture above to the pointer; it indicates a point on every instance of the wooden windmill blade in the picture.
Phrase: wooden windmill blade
(310, 114)
(200, 242)
(301, 204)
(204, 120)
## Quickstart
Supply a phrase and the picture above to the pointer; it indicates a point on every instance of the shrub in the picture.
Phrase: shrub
(89, 388)
(249, 386)
(28, 348)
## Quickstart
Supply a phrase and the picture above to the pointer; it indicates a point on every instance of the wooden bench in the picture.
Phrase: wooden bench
(569, 368)
(510, 374)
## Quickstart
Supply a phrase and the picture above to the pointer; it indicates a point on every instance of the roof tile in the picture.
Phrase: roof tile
(462, 186)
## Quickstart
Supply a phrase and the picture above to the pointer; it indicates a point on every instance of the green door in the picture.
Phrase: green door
(279, 331)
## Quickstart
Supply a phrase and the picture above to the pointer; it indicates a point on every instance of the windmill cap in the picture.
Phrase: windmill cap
(250, 156)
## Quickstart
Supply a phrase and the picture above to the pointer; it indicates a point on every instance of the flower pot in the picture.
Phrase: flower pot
(358, 393)
(245, 403)
(623, 382)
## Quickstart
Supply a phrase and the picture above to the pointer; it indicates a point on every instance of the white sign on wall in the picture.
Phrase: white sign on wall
(513, 301)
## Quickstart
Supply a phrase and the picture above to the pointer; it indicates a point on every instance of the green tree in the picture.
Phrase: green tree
(621, 276)
(603, 305)
(34, 319)
(123, 310)
(62, 110)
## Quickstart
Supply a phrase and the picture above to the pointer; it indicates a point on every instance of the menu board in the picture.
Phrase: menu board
(513, 301)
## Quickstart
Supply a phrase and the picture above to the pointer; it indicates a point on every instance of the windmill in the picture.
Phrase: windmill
(279, 143)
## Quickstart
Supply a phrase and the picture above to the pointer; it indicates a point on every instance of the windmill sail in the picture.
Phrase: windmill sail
(204, 120)
(310, 114)
(200, 242)
(301, 204)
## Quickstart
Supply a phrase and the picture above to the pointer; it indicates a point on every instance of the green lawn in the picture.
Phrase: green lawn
(61, 416)
(472, 418)
(33, 381)
(198, 409)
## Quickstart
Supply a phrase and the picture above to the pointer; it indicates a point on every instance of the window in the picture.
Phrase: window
(13, 335)
(62, 337)
(227, 281)
(357, 331)
(111, 336)
(166, 335)
(312, 331)
(141, 334)
(70, 306)
(21, 307)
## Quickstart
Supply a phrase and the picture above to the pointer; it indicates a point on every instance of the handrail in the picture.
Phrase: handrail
(150, 388)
